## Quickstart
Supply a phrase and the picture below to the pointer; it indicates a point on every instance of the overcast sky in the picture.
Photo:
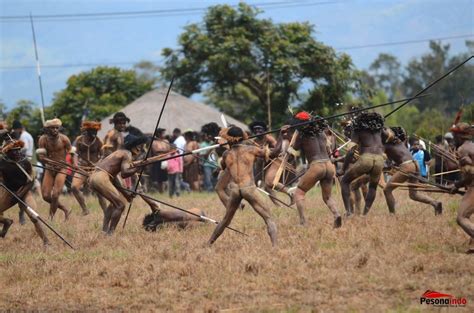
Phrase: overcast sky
(64, 44)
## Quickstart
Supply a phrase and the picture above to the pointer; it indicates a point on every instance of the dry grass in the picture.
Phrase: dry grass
(379, 263)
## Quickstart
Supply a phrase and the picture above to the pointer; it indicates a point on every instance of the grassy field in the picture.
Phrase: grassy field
(379, 263)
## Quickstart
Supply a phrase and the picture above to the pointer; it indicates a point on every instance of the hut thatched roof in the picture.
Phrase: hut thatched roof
(180, 112)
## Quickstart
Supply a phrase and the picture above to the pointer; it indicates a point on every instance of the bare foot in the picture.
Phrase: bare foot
(85, 212)
(6, 226)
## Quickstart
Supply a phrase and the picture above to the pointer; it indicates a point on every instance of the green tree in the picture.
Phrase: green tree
(22, 112)
(96, 94)
(234, 55)
(3, 110)
(387, 74)
(147, 72)
(448, 95)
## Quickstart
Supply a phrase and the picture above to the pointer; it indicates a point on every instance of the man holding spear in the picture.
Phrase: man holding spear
(367, 130)
(88, 147)
(56, 147)
(397, 151)
(312, 142)
(17, 175)
(239, 161)
(463, 139)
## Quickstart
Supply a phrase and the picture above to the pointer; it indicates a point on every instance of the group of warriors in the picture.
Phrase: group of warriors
(251, 165)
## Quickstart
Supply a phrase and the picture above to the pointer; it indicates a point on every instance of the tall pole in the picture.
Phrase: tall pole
(38, 69)
(269, 103)
(149, 149)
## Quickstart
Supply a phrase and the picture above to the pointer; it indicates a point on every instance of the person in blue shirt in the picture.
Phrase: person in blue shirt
(421, 156)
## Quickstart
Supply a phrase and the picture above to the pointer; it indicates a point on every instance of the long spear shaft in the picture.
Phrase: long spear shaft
(430, 85)
(180, 209)
(38, 69)
(149, 149)
(339, 115)
(426, 181)
(36, 215)
(295, 125)
(273, 197)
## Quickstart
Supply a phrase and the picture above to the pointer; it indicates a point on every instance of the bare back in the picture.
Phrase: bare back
(397, 152)
(369, 141)
(314, 147)
(239, 161)
(116, 162)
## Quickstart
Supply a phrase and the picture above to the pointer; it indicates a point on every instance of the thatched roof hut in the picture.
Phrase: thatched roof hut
(180, 112)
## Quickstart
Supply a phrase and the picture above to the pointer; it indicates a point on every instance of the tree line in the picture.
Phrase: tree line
(255, 69)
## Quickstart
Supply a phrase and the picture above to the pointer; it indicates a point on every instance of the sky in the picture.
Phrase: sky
(72, 44)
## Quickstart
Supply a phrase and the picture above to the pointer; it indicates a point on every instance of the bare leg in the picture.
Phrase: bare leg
(397, 178)
(466, 209)
(300, 204)
(6, 225)
(107, 215)
(102, 203)
(315, 172)
(115, 217)
(259, 206)
(46, 188)
(369, 200)
(154, 206)
(77, 183)
(234, 202)
(346, 195)
(326, 188)
(21, 216)
(223, 181)
(101, 184)
(416, 196)
(59, 181)
(39, 229)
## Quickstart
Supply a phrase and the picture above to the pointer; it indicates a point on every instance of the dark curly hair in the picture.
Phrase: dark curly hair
(211, 129)
(370, 121)
(153, 221)
(317, 126)
(399, 132)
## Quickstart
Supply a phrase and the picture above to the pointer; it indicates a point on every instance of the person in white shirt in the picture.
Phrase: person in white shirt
(23, 135)
(180, 144)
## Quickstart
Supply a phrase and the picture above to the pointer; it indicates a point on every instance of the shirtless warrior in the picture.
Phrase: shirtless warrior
(104, 180)
(57, 146)
(239, 161)
(358, 186)
(465, 151)
(114, 139)
(397, 151)
(367, 134)
(88, 148)
(274, 167)
(16, 173)
(313, 145)
(257, 128)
